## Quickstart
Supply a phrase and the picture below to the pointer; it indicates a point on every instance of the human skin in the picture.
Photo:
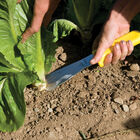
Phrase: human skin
(117, 25)
(43, 9)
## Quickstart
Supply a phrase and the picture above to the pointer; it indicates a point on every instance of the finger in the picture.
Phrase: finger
(130, 47)
(39, 13)
(124, 49)
(103, 45)
(99, 53)
(108, 59)
(27, 34)
(116, 53)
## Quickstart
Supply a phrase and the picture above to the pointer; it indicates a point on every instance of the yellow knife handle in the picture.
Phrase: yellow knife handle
(134, 36)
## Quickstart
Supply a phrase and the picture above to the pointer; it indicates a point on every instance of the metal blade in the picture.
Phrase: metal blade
(58, 77)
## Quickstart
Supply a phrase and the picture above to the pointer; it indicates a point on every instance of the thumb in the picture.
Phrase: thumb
(99, 53)
(29, 32)
(34, 28)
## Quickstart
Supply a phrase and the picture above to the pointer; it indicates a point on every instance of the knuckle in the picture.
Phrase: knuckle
(115, 58)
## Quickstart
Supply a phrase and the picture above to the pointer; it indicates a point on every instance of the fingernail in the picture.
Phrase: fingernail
(122, 43)
(117, 46)
(130, 42)
(110, 55)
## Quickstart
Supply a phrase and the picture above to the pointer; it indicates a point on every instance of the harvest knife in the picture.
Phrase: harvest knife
(59, 76)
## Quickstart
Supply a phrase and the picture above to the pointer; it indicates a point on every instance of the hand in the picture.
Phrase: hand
(113, 28)
(42, 8)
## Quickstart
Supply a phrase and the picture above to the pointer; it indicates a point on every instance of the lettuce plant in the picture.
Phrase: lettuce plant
(22, 64)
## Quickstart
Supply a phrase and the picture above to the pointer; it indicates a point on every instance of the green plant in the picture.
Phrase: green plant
(23, 64)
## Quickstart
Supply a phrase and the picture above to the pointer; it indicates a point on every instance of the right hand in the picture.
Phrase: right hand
(42, 8)
(113, 29)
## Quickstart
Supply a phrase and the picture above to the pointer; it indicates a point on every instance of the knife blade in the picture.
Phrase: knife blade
(59, 76)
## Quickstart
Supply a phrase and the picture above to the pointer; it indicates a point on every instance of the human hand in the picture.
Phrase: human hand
(42, 8)
(117, 25)
(113, 28)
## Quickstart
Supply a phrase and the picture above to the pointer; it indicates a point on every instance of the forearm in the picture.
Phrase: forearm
(126, 9)
(41, 7)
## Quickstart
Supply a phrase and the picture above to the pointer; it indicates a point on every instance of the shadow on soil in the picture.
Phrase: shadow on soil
(134, 125)
(74, 48)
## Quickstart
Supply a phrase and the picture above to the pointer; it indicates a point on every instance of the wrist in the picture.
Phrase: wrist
(118, 18)
(125, 10)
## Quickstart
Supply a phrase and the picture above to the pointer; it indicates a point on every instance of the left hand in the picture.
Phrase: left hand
(43, 11)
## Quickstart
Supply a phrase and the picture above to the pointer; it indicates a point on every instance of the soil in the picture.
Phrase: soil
(97, 103)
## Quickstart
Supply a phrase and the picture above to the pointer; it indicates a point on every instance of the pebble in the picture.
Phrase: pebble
(131, 74)
(60, 114)
(125, 108)
(83, 94)
(133, 106)
(58, 129)
(115, 108)
(118, 100)
(36, 110)
(134, 67)
(116, 111)
(58, 109)
(53, 105)
(63, 57)
(50, 110)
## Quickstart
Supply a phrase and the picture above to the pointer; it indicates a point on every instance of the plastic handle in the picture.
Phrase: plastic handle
(134, 36)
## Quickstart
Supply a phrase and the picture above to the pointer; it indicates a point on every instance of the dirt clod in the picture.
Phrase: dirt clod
(50, 110)
(135, 67)
(118, 100)
(63, 57)
(133, 106)
(125, 108)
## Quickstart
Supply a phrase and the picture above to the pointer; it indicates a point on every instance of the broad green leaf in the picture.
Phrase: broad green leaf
(33, 55)
(85, 11)
(8, 35)
(12, 104)
(4, 69)
(48, 41)
(3, 61)
(61, 28)
(19, 67)
(31, 50)
(57, 29)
